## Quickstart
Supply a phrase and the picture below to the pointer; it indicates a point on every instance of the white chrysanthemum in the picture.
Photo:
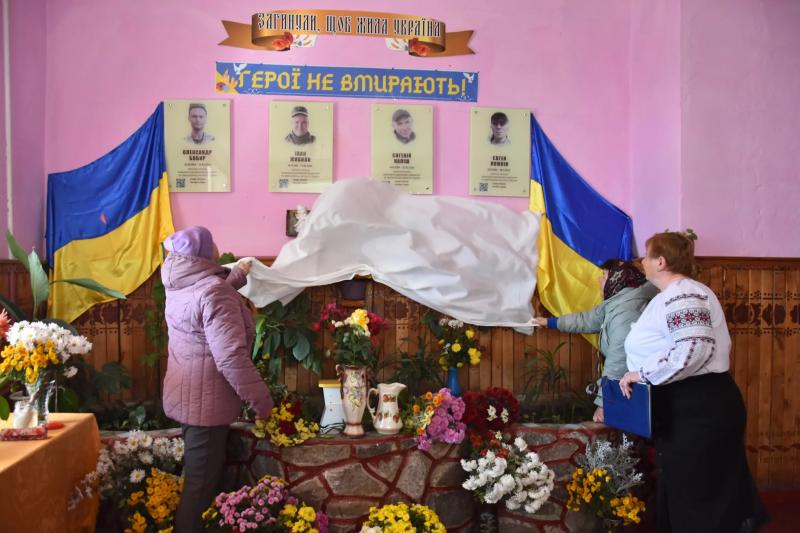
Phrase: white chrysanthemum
(162, 448)
(469, 465)
(137, 475)
(146, 458)
(135, 439)
(70, 372)
(177, 449)
(121, 447)
(491, 413)
(507, 482)
(520, 443)
(504, 415)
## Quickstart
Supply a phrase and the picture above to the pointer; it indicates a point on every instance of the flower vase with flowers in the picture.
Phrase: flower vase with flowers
(37, 355)
(489, 415)
(355, 352)
(500, 471)
(268, 506)
(402, 517)
(458, 347)
(602, 483)
(436, 418)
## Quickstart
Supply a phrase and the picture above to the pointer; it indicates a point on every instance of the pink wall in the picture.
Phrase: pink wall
(565, 60)
(740, 82)
(683, 113)
(655, 113)
(3, 151)
(27, 55)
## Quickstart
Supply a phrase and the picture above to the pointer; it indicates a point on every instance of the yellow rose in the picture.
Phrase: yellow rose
(469, 333)
(456, 347)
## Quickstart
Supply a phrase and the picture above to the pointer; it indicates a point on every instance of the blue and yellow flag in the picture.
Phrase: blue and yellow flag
(579, 230)
(106, 220)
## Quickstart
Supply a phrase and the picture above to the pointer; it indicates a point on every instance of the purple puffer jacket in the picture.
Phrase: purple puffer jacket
(211, 330)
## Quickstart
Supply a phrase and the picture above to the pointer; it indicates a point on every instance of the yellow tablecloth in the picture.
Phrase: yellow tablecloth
(37, 478)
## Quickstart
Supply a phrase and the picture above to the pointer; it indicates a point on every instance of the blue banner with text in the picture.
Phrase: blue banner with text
(349, 82)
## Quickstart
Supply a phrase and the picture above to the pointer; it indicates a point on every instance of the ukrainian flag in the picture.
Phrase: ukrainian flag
(106, 220)
(579, 230)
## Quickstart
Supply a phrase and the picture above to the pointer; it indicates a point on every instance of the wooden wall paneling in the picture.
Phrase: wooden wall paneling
(6, 283)
(508, 357)
(747, 344)
(786, 315)
(317, 299)
(762, 289)
(791, 408)
(485, 367)
(127, 354)
(383, 304)
(772, 319)
(497, 357)
(520, 340)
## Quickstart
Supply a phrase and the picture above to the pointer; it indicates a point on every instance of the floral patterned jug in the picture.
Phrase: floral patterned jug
(386, 416)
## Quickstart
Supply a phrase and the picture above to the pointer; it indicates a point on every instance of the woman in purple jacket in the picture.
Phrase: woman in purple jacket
(209, 371)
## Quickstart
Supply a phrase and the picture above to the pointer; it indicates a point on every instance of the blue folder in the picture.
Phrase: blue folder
(631, 415)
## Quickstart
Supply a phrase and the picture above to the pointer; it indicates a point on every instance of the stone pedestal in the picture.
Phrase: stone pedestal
(345, 477)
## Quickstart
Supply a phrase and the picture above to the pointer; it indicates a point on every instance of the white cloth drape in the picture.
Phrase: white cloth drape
(470, 259)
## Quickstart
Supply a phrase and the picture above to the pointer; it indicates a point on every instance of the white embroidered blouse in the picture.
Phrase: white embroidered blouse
(681, 333)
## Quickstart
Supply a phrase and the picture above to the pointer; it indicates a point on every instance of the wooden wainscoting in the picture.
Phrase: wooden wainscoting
(761, 299)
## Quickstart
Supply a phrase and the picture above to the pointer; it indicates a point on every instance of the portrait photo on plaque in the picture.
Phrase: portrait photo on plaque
(197, 145)
(499, 152)
(402, 146)
(300, 146)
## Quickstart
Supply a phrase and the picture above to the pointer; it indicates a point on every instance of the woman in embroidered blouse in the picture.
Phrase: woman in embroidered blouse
(681, 346)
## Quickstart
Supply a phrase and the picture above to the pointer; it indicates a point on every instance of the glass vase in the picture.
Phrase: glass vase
(40, 392)
(24, 414)
(452, 381)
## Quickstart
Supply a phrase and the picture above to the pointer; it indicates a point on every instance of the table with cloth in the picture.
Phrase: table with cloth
(37, 477)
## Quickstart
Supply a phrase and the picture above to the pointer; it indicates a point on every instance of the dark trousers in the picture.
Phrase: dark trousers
(203, 463)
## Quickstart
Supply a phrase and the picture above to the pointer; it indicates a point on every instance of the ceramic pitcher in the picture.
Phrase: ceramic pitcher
(386, 416)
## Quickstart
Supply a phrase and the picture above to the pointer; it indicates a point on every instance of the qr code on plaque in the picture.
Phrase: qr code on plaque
(483, 187)
(180, 183)
(283, 183)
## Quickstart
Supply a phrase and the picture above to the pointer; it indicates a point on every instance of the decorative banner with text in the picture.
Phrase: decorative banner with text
(278, 31)
(351, 82)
